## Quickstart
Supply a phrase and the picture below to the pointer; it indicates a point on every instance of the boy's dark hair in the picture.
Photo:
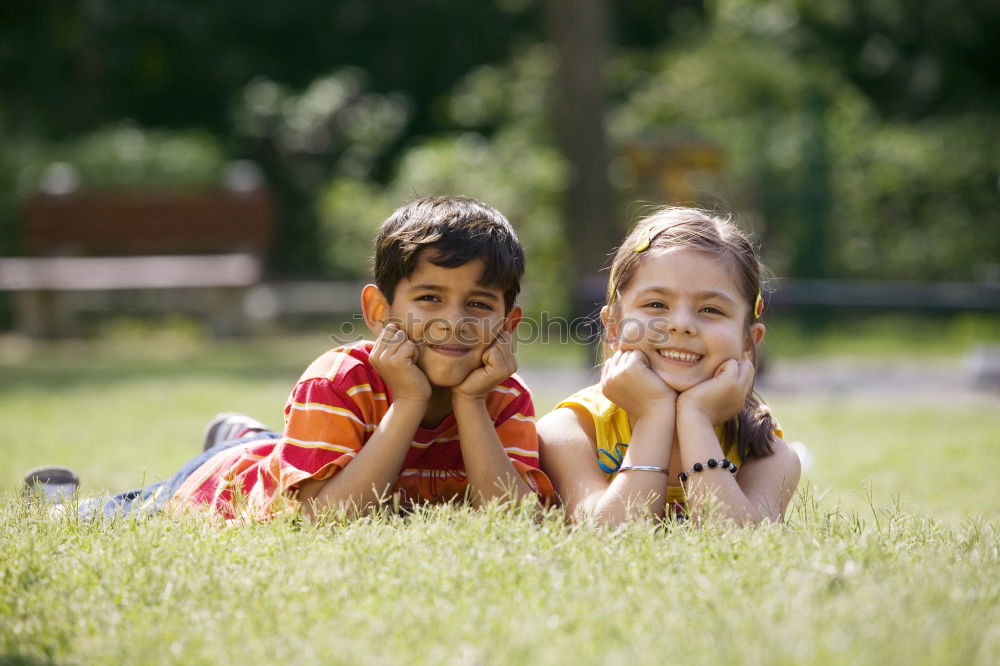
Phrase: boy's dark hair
(457, 230)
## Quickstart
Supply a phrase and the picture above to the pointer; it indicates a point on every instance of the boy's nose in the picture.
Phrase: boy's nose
(440, 327)
(447, 323)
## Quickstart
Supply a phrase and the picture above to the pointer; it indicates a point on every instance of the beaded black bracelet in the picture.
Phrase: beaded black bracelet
(711, 463)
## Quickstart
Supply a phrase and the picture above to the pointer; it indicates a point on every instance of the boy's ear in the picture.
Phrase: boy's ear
(754, 337)
(374, 307)
(513, 319)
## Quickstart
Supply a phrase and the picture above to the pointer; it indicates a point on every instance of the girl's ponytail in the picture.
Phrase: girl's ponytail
(752, 430)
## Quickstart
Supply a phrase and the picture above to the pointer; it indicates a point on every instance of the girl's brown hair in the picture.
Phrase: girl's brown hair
(693, 229)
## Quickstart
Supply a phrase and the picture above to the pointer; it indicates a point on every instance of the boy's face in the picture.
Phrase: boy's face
(449, 316)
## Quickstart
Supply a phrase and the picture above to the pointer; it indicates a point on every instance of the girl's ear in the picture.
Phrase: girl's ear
(754, 337)
(374, 307)
(610, 325)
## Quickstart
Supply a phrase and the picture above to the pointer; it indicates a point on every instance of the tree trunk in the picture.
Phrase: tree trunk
(579, 31)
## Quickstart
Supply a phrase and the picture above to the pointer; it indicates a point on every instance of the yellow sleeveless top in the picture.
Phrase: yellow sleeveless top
(614, 434)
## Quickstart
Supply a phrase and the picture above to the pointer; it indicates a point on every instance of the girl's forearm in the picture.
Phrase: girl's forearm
(712, 486)
(636, 493)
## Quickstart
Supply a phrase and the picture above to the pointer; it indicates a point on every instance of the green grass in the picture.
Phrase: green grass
(888, 335)
(890, 554)
(130, 407)
(931, 459)
(454, 586)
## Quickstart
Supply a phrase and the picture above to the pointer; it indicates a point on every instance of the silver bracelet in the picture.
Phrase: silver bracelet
(643, 468)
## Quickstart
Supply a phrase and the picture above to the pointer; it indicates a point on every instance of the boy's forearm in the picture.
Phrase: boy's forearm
(375, 468)
(490, 472)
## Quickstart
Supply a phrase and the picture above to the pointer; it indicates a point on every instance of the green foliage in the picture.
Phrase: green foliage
(334, 126)
(125, 156)
(521, 180)
(833, 186)
(917, 201)
(858, 136)
(504, 158)
(913, 59)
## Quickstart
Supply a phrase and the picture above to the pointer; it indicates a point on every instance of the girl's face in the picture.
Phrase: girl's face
(682, 310)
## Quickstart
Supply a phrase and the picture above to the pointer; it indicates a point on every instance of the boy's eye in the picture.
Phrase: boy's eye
(429, 297)
(480, 305)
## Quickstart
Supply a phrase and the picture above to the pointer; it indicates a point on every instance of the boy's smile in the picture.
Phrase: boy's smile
(683, 311)
(449, 316)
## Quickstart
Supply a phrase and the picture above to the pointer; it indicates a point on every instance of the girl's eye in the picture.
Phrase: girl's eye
(711, 309)
(655, 304)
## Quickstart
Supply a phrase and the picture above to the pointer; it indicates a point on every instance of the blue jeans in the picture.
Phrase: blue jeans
(153, 498)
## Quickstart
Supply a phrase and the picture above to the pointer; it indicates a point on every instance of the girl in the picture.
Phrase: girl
(674, 426)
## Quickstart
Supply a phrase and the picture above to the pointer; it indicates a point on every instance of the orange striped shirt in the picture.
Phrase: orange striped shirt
(330, 414)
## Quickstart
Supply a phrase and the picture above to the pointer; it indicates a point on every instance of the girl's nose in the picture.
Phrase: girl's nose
(681, 321)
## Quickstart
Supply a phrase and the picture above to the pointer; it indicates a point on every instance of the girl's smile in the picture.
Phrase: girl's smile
(680, 355)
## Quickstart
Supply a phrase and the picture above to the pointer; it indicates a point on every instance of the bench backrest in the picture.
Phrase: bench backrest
(143, 223)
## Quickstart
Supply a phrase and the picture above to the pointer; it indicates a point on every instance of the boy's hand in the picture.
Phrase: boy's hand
(721, 397)
(499, 363)
(628, 381)
(394, 357)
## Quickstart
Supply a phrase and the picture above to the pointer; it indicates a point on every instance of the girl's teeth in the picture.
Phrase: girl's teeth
(679, 356)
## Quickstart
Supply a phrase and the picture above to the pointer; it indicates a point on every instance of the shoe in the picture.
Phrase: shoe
(229, 425)
(50, 484)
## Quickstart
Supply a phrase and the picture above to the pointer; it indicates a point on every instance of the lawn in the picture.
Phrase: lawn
(890, 554)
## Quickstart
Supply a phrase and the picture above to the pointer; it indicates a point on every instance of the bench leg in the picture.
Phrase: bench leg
(227, 315)
(43, 314)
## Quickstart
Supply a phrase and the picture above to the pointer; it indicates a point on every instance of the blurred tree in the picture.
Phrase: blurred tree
(70, 67)
(580, 33)
(911, 58)
(837, 181)
(501, 152)
(179, 63)
(896, 150)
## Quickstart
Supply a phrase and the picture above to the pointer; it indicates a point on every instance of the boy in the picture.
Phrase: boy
(430, 410)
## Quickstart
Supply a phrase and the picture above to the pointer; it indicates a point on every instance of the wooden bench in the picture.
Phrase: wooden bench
(137, 252)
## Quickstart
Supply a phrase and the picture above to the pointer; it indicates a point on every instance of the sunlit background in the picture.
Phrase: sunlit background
(182, 179)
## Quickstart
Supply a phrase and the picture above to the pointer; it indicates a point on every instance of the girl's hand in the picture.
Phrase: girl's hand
(628, 381)
(722, 397)
(394, 357)
(499, 363)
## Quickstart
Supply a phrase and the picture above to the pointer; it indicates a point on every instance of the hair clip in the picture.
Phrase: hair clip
(644, 241)
(758, 306)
